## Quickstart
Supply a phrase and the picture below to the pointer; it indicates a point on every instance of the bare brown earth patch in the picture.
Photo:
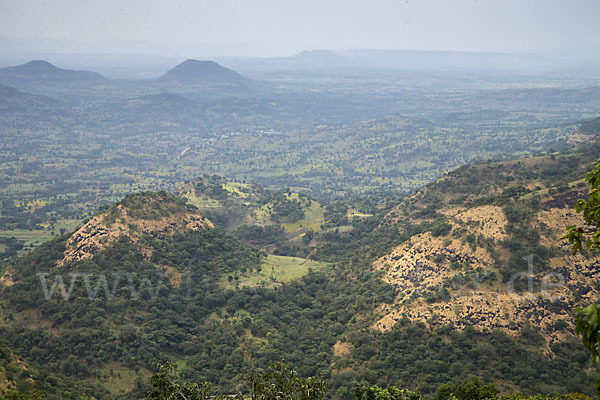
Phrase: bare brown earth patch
(342, 349)
(172, 274)
(6, 279)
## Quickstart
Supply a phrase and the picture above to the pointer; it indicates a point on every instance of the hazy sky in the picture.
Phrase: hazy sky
(282, 27)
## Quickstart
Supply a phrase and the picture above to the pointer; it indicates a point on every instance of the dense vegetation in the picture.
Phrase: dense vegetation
(590, 127)
(319, 324)
(279, 382)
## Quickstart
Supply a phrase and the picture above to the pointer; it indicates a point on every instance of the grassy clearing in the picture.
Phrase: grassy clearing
(241, 190)
(263, 214)
(276, 270)
(355, 213)
(180, 363)
(313, 218)
(118, 379)
(30, 237)
(67, 224)
(201, 201)
(36, 237)
(341, 229)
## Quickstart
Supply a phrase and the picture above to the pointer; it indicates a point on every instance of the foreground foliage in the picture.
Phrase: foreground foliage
(282, 383)
(587, 323)
(590, 234)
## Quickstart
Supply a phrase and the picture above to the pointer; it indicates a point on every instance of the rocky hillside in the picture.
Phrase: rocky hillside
(494, 257)
(128, 270)
(139, 219)
(155, 215)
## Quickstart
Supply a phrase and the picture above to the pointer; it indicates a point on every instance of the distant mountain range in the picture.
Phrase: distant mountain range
(43, 72)
(442, 59)
(319, 58)
(121, 66)
(193, 71)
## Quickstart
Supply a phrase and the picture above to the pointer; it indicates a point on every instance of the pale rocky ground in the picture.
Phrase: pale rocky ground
(411, 268)
(6, 279)
(578, 137)
(487, 220)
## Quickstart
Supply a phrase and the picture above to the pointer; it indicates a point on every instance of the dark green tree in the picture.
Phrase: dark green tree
(29, 394)
(282, 383)
(589, 234)
(587, 324)
(365, 392)
(469, 389)
(167, 387)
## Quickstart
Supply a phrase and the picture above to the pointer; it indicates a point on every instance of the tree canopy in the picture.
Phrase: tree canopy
(590, 233)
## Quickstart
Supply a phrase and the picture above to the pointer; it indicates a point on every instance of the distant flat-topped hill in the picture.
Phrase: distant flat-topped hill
(39, 70)
(320, 57)
(195, 71)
